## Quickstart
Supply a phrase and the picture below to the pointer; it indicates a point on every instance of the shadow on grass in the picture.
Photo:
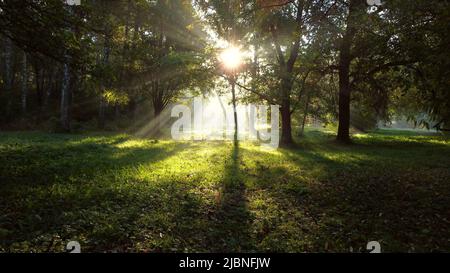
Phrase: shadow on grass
(230, 231)
(352, 195)
(74, 190)
(51, 192)
(63, 161)
(320, 197)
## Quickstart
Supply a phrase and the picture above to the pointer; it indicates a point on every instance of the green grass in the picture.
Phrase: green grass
(118, 193)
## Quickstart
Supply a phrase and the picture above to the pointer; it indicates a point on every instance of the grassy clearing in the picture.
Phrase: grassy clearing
(117, 193)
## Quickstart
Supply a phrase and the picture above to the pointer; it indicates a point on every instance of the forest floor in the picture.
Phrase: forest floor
(118, 193)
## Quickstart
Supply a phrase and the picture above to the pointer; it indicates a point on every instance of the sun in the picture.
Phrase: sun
(231, 58)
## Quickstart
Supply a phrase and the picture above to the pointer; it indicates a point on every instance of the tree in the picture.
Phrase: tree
(280, 31)
(355, 8)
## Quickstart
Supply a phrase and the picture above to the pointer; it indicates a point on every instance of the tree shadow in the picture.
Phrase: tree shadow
(71, 188)
(66, 198)
(310, 199)
(232, 219)
(347, 202)
(38, 165)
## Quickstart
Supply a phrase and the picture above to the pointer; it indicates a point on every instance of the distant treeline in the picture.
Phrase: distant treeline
(342, 62)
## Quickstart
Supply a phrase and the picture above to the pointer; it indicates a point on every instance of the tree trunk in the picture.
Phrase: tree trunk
(344, 93)
(8, 75)
(158, 109)
(233, 94)
(132, 108)
(286, 127)
(24, 83)
(117, 111)
(40, 99)
(224, 113)
(102, 112)
(48, 88)
(66, 91)
(345, 59)
(102, 106)
(8, 64)
(305, 115)
(65, 94)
